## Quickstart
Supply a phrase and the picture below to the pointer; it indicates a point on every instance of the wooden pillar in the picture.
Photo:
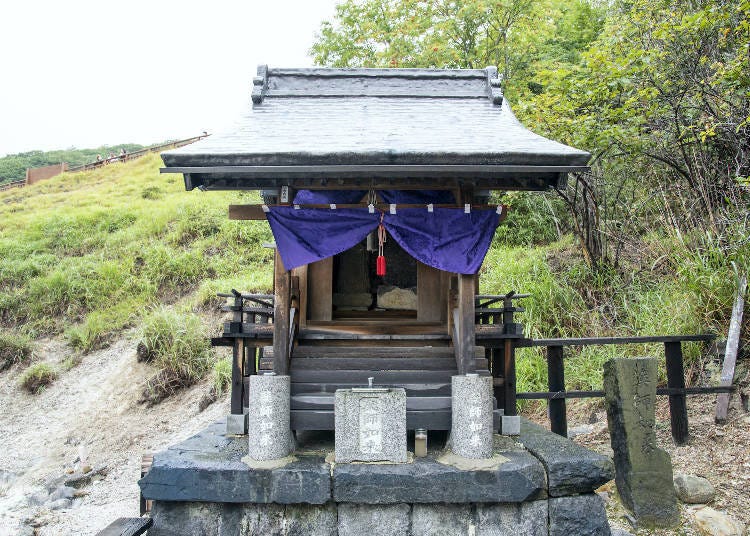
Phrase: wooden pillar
(238, 383)
(509, 360)
(556, 381)
(677, 403)
(281, 303)
(238, 353)
(497, 366)
(466, 337)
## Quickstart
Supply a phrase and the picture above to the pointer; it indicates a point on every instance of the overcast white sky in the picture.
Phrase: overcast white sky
(80, 73)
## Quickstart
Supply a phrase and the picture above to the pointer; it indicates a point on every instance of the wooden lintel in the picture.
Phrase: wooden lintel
(255, 212)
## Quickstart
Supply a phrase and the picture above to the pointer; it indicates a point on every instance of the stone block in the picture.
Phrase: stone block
(570, 467)
(513, 477)
(262, 520)
(441, 520)
(643, 471)
(307, 520)
(373, 520)
(370, 425)
(270, 436)
(582, 515)
(511, 425)
(237, 424)
(208, 467)
(187, 518)
(525, 519)
(471, 416)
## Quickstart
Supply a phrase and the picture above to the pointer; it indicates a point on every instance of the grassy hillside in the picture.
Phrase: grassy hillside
(89, 254)
(86, 254)
(13, 166)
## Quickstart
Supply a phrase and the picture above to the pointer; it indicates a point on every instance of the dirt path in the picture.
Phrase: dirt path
(90, 411)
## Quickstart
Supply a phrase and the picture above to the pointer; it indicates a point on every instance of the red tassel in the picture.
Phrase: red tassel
(380, 267)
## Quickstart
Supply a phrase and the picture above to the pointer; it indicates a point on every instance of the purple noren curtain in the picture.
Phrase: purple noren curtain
(326, 197)
(447, 239)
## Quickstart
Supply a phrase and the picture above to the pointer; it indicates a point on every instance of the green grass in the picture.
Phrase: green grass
(221, 376)
(37, 377)
(86, 254)
(14, 348)
(177, 344)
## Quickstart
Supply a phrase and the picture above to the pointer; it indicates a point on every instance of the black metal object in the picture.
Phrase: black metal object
(556, 377)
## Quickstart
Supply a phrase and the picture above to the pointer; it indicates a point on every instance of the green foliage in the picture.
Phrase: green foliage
(177, 344)
(14, 348)
(222, 376)
(13, 166)
(37, 377)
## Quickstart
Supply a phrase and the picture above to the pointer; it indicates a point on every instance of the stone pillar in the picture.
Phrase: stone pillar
(270, 436)
(643, 472)
(370, 425)
(471, 425)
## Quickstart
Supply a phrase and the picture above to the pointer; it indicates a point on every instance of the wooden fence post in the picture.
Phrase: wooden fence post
(676, 380)
(238, 356)
(730, 354)
(281, 314)
(556, 380)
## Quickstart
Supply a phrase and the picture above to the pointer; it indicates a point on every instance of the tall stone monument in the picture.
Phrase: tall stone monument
(370, 425)
(471, 417)
(643, 471)
(269, 433)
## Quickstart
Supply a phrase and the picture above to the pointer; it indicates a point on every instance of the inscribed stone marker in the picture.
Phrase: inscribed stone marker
(269, 433)
(643, 471)
(370, 425)
(471, 416)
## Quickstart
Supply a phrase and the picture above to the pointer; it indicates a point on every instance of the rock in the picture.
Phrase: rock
(583, 515)
(714, 523)
(619, 532)
(571, 468)
(643, 471)
(471, 416)
(60, 504)
(271, 438)
(86, 469)
(373, 520)
(310, 520)
(397, 298)
(526, 519)
(693, 489)
(38, 499)
(6, 481)
(80, 479)
(582, 429)
(63, 492)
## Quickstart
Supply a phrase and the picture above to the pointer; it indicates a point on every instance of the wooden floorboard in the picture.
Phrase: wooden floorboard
(382, 377)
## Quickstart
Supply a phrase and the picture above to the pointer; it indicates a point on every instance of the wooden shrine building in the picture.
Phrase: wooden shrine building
(356, 165)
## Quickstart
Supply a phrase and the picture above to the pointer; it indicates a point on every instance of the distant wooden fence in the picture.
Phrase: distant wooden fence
(137, 154)
(94, 165)
(13, 184)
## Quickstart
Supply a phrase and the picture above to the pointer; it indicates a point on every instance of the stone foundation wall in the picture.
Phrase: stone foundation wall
(581, 515)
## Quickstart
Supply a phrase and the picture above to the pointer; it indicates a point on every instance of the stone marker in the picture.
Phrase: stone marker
(237, 424)
(370, 425)
(643, 472)
(471, 424)
(269, 434)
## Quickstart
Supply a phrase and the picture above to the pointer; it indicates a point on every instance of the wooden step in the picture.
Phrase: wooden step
(321, 401)
(382, 377)
(308, 419)
(412, 389)
(376, 352)
(368, 363)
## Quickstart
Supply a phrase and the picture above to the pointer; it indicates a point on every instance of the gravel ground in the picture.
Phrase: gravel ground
(90, 412)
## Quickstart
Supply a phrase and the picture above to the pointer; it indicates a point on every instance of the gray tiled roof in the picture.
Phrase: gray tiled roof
(376, 117)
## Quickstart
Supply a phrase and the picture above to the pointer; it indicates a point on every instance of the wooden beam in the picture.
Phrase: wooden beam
(301, 273)
(281, 317)
(464, 344)
(432, 293)
(255, 212)
(730, 354)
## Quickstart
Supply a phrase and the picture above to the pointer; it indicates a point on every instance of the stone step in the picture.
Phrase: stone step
(310, 419)
(412, 389)
(304, 351)
(381, 377)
